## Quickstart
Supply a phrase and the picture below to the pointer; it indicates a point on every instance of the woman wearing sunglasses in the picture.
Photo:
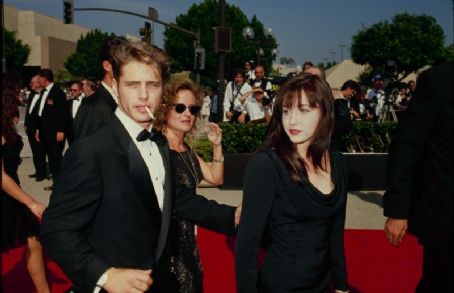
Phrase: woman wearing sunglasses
(176, 118)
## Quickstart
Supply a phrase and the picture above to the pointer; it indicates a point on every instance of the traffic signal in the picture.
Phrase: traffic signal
(145, 32)
(199, 59)
(68, 11)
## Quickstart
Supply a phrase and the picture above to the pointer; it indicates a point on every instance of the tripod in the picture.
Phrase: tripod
(388, 113)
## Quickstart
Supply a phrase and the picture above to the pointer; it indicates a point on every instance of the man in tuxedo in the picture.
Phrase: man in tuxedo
(98, 108)
(108, 217)
(31, 124)
(73, 106)
(53, 119)
(420, 191)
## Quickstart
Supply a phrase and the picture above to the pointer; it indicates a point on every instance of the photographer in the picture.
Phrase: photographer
(376, 97)
(259, 107)
(235, 97)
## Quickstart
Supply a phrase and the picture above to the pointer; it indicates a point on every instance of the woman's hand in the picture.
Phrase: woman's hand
(37, 209)
(214, 133)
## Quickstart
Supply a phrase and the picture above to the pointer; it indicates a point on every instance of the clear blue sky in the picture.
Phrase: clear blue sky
(304, 29)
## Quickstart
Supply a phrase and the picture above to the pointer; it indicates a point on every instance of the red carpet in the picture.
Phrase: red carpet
(373, 265)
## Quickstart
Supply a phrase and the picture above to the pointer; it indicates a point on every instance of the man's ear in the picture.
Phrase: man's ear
(107, 66)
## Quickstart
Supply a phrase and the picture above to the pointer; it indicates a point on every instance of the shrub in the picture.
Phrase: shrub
(364, 137)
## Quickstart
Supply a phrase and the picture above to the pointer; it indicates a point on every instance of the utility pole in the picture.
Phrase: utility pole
(221, 66)
(342, 46)
(332, 56)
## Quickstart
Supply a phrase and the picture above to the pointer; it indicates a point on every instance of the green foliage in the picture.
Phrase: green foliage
(365, 137)
(242, 138)
(203, 17)
(411, 41)
(203, 147)
(16, 53)
(370, 137)
(85, 61)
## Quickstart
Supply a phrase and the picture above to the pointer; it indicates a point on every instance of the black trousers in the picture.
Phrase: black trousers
(38, 154)
(438, 264)
(54, 151)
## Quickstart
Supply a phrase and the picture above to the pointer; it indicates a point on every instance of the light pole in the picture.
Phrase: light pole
(332, 56)
(248, 34)
(342, 46)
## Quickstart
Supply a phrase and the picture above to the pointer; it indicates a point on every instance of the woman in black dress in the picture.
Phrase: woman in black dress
(20, 212)
(182, 101)
(294, 198)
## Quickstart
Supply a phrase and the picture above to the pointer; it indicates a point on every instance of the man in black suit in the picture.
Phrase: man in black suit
(420, 192)
(98, 108)
(31, 124)
(108, 217)
(53, 119)
(73, 107)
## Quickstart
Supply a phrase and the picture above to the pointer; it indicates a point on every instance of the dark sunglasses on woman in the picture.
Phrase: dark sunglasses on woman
(193, 109)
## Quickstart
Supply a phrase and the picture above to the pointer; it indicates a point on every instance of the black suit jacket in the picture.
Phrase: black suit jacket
(94, 112)
(103, 211)
(420, 179)
(70, 125)
(31, 120)
(54, 116)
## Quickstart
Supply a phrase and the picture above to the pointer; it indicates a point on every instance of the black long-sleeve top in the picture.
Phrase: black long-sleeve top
(303, 228)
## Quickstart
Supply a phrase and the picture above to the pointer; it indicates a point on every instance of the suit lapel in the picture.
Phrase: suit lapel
(138, 171)
(166, 210)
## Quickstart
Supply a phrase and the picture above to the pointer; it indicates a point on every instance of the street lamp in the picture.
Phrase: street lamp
(248, 34)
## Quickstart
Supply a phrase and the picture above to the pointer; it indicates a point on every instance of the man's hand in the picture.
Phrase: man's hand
(228, 115)
(37, 135)
(128, 280)
(60, 136)
(395, 230)
(242, 118)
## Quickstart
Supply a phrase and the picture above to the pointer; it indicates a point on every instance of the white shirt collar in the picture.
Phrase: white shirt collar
(131, 126)
(49, 86)
(111, 91)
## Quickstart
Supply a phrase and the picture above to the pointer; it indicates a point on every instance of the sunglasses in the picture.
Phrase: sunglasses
(180, 108)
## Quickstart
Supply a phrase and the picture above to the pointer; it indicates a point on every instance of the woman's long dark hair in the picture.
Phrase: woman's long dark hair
(10, 92)
(319, 94)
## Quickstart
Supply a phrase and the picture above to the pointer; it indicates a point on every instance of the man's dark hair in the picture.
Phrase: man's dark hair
(350, 84)
(107, 51)
(47, 74)
(238, 71)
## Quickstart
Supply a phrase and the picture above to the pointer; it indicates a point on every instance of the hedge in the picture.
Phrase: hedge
(365, 137)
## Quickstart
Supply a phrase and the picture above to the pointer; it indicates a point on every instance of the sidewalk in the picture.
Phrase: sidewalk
(364, 209)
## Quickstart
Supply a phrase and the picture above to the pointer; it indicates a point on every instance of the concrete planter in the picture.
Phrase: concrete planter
(367, 171)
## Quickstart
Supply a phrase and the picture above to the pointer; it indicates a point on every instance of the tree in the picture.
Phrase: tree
(286, 61)
(16, 53)
(401, 47)
(203, 17)
(85, 61)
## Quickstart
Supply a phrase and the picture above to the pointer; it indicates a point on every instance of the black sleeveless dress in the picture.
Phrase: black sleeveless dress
(180, 263)
(18, 222)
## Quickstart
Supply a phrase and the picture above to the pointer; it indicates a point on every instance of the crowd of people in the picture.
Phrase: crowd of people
(123, 206)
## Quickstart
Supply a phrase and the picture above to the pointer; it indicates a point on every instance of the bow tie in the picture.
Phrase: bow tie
(76, 99)
(155, 136)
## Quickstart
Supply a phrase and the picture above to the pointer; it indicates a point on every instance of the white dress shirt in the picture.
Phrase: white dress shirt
(34, 101)
(150, 154)
(44, 98)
